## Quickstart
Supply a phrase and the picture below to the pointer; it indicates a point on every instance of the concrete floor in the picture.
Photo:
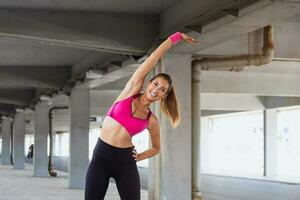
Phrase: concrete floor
(21, 185)
(229, 188)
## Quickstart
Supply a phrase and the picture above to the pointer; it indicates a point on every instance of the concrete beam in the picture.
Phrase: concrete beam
(60, 100)
(186, 11)
(6, 109)
(227, 102)
(107, 32)
(12, 101)
(278, 66)
(207, 113)
(285, 41)
(278, 102)
(116, 85)
(252, 82)
(95, 59)
(236, 102)
(124, 71)
(98, 99)
(16, 96)
(52, 77)
(215, 26)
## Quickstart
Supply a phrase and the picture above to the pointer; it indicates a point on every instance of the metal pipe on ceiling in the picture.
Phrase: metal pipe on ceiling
(239, 62)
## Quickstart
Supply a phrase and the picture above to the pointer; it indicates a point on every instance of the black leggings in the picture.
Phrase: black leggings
(112, 162)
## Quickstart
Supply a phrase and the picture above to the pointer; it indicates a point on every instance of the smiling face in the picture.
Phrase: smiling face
(157, 89)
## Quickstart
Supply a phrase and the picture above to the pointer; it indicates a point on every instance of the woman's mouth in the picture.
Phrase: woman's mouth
(152, 94)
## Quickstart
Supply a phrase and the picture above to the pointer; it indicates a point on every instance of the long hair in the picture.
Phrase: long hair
(168, 104)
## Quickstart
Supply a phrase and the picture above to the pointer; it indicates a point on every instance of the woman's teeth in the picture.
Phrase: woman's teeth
(152, 94)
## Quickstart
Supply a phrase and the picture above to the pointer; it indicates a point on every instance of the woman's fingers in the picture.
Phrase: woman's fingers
(189, 39)
(135, 155)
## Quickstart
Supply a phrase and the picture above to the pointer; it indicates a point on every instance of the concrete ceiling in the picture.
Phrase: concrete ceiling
(25, 53)
(116, 6)
(46, 46)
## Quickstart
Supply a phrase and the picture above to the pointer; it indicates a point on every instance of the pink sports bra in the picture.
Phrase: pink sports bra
(121, 112)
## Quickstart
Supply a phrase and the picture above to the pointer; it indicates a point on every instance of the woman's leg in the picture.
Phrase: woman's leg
(97, 180)
(128, 182)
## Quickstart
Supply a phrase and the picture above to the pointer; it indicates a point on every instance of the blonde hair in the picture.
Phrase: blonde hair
(168, 104)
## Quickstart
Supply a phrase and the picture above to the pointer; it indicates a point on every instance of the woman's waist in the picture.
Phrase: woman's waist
(116, 135)
(110, 152)
(116, 141)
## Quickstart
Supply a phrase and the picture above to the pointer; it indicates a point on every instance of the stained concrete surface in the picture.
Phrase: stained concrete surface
(230, 188)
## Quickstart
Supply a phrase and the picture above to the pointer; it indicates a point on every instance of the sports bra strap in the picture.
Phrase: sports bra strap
(149, 114)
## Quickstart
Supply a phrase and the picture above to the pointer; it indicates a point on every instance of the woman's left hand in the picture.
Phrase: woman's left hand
(135, 155)
(188, 39)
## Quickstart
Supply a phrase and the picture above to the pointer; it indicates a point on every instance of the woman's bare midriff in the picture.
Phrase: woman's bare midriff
(115, 134)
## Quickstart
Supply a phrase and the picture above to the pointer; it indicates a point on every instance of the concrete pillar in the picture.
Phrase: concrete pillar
(154, 173)
(6, 133)
(196, 135)
(176, 151)
(79, 137)
(270, 128)
(41, 128)
(19, 140)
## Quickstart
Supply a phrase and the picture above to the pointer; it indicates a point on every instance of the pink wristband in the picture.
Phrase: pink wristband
(176, 37)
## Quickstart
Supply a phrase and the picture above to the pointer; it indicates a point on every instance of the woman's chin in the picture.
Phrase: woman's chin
(151, 98)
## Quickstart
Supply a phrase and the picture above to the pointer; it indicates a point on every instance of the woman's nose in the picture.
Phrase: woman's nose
(155, 90)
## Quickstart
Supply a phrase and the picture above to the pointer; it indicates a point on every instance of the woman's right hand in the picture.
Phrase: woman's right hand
(188, 39)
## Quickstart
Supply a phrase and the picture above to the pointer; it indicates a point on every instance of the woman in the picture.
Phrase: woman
(114, 155)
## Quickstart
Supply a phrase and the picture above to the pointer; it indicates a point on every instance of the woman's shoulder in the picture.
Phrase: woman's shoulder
(153, 119)
(153, 123)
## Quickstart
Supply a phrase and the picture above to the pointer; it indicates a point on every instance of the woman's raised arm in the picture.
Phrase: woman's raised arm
(135, 83)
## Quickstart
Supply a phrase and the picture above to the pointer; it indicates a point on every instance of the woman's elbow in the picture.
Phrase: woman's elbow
(157, 150)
